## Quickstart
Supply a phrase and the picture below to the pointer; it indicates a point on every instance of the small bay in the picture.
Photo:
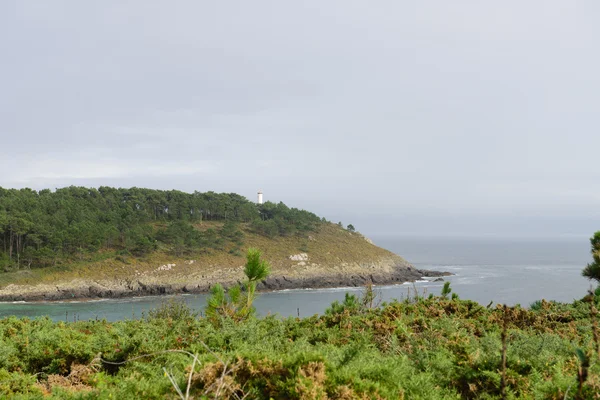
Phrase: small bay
(499, 270)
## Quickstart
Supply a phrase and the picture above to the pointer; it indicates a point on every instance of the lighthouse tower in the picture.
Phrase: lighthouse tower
(260, 199)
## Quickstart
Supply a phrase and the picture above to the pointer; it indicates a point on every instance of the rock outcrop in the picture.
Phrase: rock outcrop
(392, 270)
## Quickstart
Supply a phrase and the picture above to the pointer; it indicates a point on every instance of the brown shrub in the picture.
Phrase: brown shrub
(310, 380)
(77, 379)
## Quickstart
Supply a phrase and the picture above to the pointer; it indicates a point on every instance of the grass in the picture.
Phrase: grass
(329, 246)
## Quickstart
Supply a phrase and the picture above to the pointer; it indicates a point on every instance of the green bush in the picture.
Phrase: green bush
(173, 309)
(427, 349)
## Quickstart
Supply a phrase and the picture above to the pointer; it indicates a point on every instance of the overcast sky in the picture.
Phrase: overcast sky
(461, 117)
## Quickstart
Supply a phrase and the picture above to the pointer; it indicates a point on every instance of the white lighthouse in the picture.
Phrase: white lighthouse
(260, 199)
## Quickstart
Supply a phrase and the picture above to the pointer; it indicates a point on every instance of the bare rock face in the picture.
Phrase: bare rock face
(384, 271)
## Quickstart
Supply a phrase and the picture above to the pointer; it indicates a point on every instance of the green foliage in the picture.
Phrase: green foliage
(370, 296)
(268, 228)
(255, 269)
(536, 305)
(41, 229)
(231, 232)
(14, 382)
(428, 349)
(592, 270)
(303, 247)
(174, 309)
(217, 302)
(280, 220)
(351, 304)
(236, 304)
(350, 228)
(446, 290)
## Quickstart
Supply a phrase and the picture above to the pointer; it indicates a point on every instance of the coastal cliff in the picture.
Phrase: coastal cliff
(329, 257)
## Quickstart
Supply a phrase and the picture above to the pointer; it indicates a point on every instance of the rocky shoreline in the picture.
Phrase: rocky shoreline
(379, 273)
(401, 275)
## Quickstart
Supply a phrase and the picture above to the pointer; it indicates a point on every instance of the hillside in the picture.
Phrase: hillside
(82, 243)
(330, 256)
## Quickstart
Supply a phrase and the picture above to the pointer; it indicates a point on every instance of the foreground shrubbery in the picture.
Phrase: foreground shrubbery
(419, 349)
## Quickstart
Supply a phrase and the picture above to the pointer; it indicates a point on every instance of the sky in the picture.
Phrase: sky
(413, 118)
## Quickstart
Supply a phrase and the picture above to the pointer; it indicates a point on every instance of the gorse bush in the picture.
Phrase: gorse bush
(418, 349)
(172, 309)
(353, 304)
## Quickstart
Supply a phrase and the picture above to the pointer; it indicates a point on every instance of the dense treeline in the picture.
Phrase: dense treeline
(39, 228)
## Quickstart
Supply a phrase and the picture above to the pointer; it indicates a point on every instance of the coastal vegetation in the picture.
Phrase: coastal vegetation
(328, 256)
(434, 347)
(39, 229)
(97, 243)
(592, 270)
(417, 348)
(237, 303)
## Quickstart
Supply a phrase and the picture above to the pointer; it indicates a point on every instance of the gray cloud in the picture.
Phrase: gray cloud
(463, 111)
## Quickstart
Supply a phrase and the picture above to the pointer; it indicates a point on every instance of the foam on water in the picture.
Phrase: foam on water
(417, 281)
(317, 290)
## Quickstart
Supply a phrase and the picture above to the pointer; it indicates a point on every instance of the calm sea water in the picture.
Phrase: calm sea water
(486, 269)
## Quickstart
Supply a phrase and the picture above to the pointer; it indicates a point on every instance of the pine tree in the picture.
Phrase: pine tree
(592, 270)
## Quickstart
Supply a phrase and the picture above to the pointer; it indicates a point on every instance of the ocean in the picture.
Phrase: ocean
(502, 270)
(497, 270)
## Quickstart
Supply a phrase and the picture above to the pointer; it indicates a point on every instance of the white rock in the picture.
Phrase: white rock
(299, 257)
